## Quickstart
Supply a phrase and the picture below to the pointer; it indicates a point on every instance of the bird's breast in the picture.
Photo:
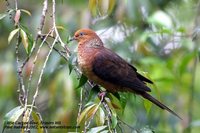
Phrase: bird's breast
(85, 58)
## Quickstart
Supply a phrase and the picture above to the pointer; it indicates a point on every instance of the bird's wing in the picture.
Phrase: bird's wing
(142, 78)
(112, 68)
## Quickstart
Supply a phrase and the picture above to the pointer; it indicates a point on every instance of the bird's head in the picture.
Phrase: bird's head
(84, 35)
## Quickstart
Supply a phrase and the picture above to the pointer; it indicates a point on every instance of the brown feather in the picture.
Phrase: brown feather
(109, 70)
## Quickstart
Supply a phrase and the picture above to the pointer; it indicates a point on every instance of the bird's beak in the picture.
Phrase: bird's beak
(72, 39)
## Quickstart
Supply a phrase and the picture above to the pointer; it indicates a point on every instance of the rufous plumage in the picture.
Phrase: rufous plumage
(109, 70)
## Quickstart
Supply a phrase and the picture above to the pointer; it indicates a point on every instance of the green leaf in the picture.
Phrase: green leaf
(87, 113)
(114, 121)
(3, 15)
(100, 117)
(161, 19)
(13, 115)
(98, 7)
(12, 34)
(30, 37)
(24, 39)
(36, 119)
(181, 29)
(115, 101)
(105, 131)
(111, 6)
(93, 93)
(185, 61)
(82, 81)
(147, 105)
(26, 11)
(93, 7)
(72, 62)
(60, 27)
(108, 101)
(96, 129)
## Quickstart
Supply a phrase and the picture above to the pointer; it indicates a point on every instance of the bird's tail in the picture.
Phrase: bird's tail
(158, 103)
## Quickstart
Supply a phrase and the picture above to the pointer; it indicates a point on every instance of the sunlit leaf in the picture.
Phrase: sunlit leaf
(181, 29)
(13, 115)
(3, 15)
(60, 27)
(36, 119)
(24, 39)
(147, 105)
(165, 31)
(100, 117)
(82, 81)
(114, 121)
(97, 129)
(98, 7)
(161, 19)
(108, 101)
(87, 113)
(29, 35)
(93, 7)
(26, 11)
(115, 101)
(12, 34)
(92, 112)
(105, 131)
(111, 6)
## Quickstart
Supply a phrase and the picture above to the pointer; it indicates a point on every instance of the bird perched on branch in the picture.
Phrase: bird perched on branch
(109, 70)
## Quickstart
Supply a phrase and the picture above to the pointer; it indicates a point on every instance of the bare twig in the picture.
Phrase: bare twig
(40, 77)
(109, 120)
(16, 5)
(19, 73)
(36, 57)
(42, 20)
(80, 107)
(19, 70)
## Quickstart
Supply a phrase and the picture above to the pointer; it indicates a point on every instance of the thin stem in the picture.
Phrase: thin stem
(36, 57)
(80, 107)
(40, 28)
(16, 5)
(19, 72)
(40, 77)
(22, 94)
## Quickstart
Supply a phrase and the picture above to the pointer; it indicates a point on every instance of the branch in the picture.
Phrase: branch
(40, 28)
(22, 93)
(36, 57)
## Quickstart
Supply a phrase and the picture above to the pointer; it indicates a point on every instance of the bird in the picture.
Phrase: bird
(107, 69)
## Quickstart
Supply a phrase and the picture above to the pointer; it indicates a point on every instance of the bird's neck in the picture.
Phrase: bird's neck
(91, 43)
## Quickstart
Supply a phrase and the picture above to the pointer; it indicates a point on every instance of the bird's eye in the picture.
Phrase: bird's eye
(81, 34)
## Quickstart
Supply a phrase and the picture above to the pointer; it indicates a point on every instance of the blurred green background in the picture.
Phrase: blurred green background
(153, 35)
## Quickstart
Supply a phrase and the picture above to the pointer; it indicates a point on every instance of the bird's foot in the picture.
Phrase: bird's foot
(102, 95)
